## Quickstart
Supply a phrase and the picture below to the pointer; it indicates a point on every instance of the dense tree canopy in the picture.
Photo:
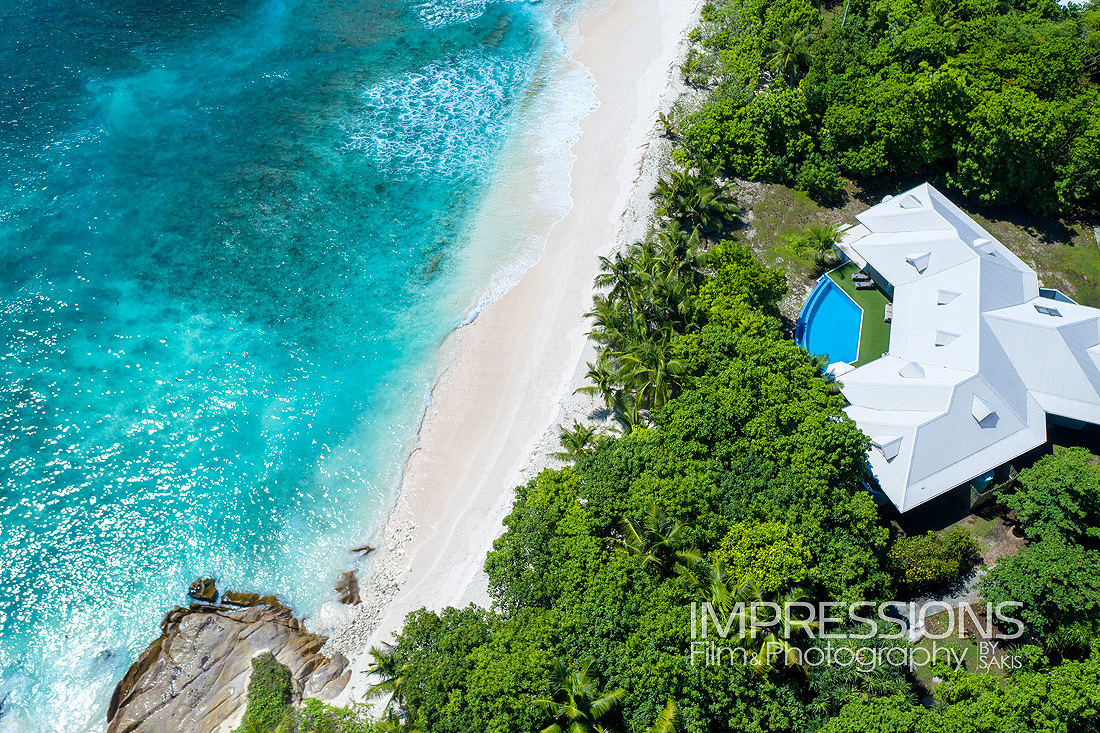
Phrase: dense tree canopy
(1059, 496)
(1065, 699)
(997, 99)
(1057, 582)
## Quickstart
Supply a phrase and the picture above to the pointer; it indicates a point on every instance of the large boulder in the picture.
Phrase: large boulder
(347, 588)
(195, 676)
(204, 590)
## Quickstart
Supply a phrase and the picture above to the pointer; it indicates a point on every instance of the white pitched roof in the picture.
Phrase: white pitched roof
(976, 356)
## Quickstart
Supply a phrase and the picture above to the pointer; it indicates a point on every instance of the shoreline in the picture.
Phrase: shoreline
(511, 373)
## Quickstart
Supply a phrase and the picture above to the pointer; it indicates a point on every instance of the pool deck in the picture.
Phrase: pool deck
(874, 336)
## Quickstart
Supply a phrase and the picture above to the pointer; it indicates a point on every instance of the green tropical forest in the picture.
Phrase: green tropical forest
(996, 101)
(732, 473)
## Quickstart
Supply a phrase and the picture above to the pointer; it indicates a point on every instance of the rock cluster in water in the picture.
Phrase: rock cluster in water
(195, 676)
(387, 573)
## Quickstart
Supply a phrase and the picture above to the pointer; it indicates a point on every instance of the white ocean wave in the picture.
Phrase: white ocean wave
(435, 14)
(445, 120)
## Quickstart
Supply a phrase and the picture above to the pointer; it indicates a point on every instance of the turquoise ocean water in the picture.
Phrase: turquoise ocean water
(233, 236)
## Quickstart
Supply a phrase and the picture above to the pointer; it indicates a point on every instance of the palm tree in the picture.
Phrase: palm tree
(612, 319)
(627, 412)
(604, 377)
(789, 54)
(389, 672)
(710, 208)
(578, 441)
(835, 685)
(650, 371)
(681, 250)
(672, 185)
(666, 720)
(576, 706)
(742, 598)
(771, 648)
(659, 541)
(820, 365)
(669, 306)
(817, 240)
(944, 12)
(693, 198)
(719, 587)
(620, 275)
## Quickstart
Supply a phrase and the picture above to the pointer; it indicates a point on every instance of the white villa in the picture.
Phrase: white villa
(978, 359)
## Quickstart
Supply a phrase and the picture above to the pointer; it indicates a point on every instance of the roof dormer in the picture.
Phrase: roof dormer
(919, 261)
(985, 246)
(889, 446)
(911, 370)
(983, 414)
(1046, 310)
(943, 338)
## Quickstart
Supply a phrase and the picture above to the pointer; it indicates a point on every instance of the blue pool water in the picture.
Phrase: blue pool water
(829, 323)
(233, 235)
(1054, 294)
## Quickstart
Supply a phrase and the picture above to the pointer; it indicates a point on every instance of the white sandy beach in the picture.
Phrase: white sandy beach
(495, 410)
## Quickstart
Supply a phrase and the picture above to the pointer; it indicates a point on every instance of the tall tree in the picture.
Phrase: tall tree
(578, 441)
(788, 55)
(659, 541)
(388, 674)
(577, 706)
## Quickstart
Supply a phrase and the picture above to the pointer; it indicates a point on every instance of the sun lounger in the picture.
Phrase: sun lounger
(865, 285)
(860, 277)
(888, 313)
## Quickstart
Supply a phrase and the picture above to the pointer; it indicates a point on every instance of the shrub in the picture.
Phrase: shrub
(820, 179)
(762, 137)
(317, 717)
(929, 560)
(771, 554)
(269, 695)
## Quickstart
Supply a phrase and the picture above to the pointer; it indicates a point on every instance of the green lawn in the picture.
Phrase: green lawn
(874, 336)
(779, 211)
(989, 659)
(1066, 254)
